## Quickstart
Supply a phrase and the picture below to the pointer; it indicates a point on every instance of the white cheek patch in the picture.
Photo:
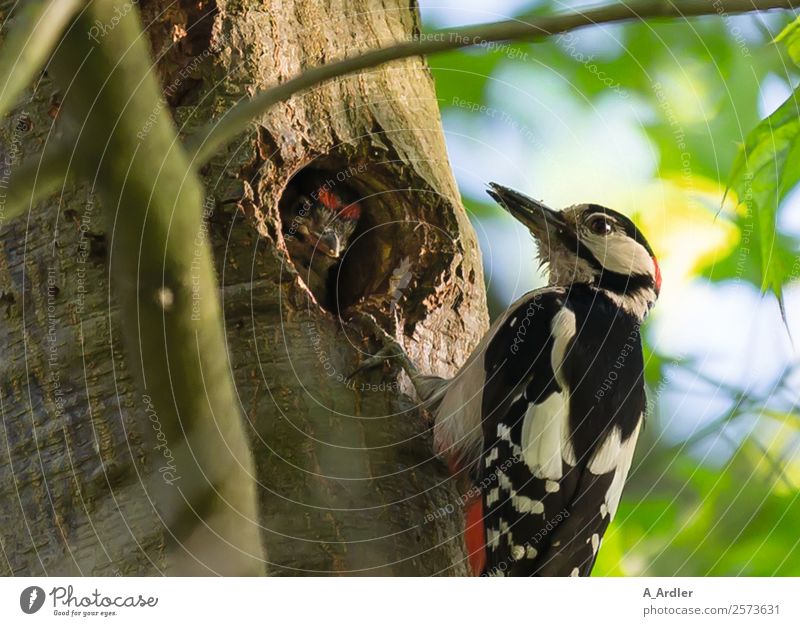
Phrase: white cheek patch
(564, 267)
(619, 253)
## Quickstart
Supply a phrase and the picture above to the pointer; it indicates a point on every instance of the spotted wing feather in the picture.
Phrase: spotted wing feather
(556, 454)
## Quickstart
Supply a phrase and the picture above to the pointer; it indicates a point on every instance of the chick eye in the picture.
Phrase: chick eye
(600, 225)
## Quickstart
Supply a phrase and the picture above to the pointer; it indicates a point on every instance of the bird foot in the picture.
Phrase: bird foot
(390, 350)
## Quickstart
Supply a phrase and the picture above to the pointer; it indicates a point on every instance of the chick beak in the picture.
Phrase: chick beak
(544, 223)
(329, 244)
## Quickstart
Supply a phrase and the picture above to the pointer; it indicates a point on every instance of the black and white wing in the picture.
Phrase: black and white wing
(554, 462)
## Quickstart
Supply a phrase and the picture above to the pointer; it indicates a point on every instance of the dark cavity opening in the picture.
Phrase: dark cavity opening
(358, 240)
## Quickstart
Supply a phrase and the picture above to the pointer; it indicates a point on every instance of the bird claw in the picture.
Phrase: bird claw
(379, 358)
(391, 348)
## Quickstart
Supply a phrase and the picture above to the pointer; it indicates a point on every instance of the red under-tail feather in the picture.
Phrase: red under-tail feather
(474, 532)
(474, 536)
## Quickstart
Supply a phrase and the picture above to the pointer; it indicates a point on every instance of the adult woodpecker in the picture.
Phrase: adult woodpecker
(318, 233)
(546, 411)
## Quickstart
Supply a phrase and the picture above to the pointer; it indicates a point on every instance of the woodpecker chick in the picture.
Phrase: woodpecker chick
(546, 411)
(318, 234)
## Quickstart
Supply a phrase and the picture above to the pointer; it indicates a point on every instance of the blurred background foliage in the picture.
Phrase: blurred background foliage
(651, 119)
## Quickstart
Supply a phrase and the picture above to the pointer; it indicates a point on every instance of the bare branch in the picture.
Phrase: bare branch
(218, 133)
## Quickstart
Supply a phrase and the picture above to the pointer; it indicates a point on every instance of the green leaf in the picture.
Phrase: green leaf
(790, 37)
(744, 261)
(33, 36)
(766, 169)
(461, 75)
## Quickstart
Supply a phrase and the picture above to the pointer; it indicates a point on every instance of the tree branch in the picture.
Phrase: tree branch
(36, 178)
(163, 277)
(36, 32)
(235, 121)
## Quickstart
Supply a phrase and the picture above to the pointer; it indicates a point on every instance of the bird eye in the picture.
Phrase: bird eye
(600, 225)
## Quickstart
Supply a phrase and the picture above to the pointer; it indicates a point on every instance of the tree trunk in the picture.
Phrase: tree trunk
(344, 469)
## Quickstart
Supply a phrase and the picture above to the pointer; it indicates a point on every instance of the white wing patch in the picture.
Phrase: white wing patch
(606, 457)
(542, 438)
(623, 465)
(545, 428)
(567, 448)
(563, 330)
(457, 429)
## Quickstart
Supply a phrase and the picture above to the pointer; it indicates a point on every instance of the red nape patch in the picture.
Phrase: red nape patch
(332, 202)
(351, 211)
(658, 274)
(474, 536)
(329, 199)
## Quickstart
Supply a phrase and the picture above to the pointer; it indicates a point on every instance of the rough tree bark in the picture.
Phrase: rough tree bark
(344, 471)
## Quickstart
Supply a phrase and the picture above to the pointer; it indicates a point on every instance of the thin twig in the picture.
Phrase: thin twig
(732, 390)
(775, 465)
(236, 120)
(715, 426)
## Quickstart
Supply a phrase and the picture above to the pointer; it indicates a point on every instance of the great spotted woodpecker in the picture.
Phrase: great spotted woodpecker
(318, 233)
(545, 413)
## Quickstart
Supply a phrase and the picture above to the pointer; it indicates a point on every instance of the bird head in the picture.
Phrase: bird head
(326, 223)
(591, 244)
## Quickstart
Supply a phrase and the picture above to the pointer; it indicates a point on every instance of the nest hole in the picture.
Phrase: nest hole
(355, 238)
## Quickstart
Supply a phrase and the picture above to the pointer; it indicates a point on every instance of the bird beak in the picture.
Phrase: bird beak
(542, 221)
(329, 244)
